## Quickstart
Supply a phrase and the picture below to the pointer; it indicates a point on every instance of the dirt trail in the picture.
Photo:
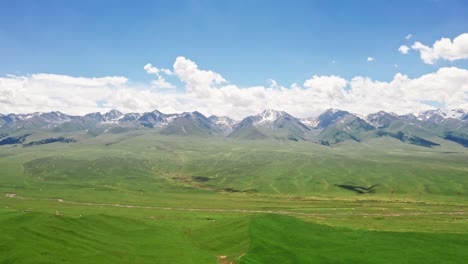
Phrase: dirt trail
(246, 211)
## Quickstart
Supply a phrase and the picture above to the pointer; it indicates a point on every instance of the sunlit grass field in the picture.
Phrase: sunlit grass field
(141, 197)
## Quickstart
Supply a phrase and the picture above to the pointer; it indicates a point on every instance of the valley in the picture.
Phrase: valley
(142, 195)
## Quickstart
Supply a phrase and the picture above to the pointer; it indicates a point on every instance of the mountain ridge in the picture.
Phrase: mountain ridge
(330, 127)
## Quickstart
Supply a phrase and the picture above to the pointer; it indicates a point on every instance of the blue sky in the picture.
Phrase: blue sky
(247, 42)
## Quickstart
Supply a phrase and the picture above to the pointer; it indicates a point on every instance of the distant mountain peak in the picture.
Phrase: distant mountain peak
(330, 127)
(329, 117)
(333, 111)
(383, 113)
(381, 119)
(193, 114)
(114, 111)
(94, 115)
(445, 113)
(269, 116)
(271, 111)
(156, 112)
(113, 115)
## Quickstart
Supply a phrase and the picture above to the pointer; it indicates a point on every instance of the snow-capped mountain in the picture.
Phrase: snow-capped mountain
(273, 123)
(439, 114)
(328, 117)
(225, 123)
(113, 116)
(267, 117)
(130, 117)
(190, 123)
(381, 119)
(52, 117)
(445, 113)
(34, 120)
(311, 122)
(153, 119)
(330, 127)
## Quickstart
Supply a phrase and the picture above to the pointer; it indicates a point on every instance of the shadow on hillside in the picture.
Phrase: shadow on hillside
(358, 189)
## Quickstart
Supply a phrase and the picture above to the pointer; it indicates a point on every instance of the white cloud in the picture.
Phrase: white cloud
(208, 92)
(80, 81)
(273, 83)
(395, 65)
(370, 59)
(160, 82)
(198, 82)
(403, 49)
(331, 87)
(150, 69)
(445, 49)
(48, 92)
(447, 86)
(409, 36)
(167, 71)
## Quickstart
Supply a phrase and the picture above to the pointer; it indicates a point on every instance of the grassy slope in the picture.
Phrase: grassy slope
(150, 163)
(283, 239)
(153, 170)
(185, 238)
(45, 238)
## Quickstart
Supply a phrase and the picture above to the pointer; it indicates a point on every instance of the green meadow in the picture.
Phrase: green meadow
(142, 197)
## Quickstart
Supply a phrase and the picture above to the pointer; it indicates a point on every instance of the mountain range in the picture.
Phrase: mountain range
(331, 127)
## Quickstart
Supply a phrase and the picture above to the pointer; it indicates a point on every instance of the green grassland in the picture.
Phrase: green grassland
(142, 197)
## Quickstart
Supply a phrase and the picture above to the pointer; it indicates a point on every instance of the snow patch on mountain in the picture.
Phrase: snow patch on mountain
(445, 113)
(270, 115)
(311, 122)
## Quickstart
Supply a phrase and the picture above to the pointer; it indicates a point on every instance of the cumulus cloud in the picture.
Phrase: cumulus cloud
(331, 87)
(370, 59)
(80, 81)
(198, 82)
(409, 36)
(150, 69)
(447, 86)
(47, 92)
(160, 82)
(444, 49)
(208, 92)
(403, 49)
